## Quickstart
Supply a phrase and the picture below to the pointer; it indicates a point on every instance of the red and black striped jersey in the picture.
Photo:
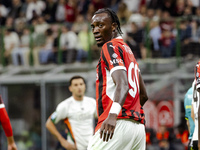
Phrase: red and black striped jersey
(115, 55)
(197, 74)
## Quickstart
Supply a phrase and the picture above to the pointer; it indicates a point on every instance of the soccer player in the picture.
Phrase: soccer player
(77, 112)
(5, 122)
(190, 123)
(120, 90)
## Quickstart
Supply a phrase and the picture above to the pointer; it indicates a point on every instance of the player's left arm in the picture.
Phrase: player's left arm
(143, 93)
(121, 82)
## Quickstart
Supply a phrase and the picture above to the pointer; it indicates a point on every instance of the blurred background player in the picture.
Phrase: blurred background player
(190, 123)
(120, 90)
(77, 112)
(5, 122)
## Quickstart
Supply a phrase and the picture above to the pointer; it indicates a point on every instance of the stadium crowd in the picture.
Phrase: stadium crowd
(55, 31)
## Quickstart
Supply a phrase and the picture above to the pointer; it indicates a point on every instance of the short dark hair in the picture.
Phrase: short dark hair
(112, 15)
(76, 77)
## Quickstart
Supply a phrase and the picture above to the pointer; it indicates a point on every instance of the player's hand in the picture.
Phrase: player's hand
(65, 144)
(12, 146)
(198, 144)
(108, 127)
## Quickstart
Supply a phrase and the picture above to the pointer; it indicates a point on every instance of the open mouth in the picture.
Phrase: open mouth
(98, 38)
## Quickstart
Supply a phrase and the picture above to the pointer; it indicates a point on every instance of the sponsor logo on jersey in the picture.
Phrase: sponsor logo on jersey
(112, 46)
(53, 116)
(115, 61)
(114, 55)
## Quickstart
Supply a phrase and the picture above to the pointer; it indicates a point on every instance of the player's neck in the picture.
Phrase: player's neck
(114, 35)
(78, 98)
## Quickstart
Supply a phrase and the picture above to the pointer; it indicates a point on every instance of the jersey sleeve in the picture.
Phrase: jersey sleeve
(112, 55)
(60, 113)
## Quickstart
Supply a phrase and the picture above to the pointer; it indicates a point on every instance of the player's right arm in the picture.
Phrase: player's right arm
(53, 130)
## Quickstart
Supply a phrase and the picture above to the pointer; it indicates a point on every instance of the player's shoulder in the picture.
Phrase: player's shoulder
(65, 102)
(90, 99)
(113, 44)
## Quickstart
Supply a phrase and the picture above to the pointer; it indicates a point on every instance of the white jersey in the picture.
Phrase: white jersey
(79, 117)
(195, 108)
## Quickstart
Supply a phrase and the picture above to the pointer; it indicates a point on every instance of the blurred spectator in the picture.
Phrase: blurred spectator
(155, 4)
(25, 5)
(166, 21)
(15, 10)
(162, 136)
(168, 5)
(98, 4)
(71, 12)
(185, 35)
(50, 11)
(20, 23)
(150, 13)
(123, 13)
(86, 40)
(35, 8)
(3, 10)
(167, 43)
(195, 39)
(151, 140)
(60, 11)
(79, 24)
(113, 4)
(83, 6)
(179, 8)
(46, 52)
(68, 44)
(90, 12)
(20, 54)
(135, 40)
(133, 5)
(182, 136)
(41, 25)
(11, 40)
(155, 34)
(9, 22)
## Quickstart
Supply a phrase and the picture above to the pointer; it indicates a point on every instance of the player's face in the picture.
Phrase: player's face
(77, 88)
(101, 25)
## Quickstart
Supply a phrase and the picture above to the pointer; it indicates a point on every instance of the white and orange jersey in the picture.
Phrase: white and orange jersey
(116, 55)
(79, 118)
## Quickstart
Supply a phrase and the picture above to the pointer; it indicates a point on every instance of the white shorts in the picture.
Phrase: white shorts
(128, 135)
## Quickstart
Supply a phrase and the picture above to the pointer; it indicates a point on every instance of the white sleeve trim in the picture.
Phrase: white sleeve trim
(117, 68)
(2, 105)
(198, 86)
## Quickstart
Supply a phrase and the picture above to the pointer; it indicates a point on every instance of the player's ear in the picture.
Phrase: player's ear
(70, 88)
(114, 27)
